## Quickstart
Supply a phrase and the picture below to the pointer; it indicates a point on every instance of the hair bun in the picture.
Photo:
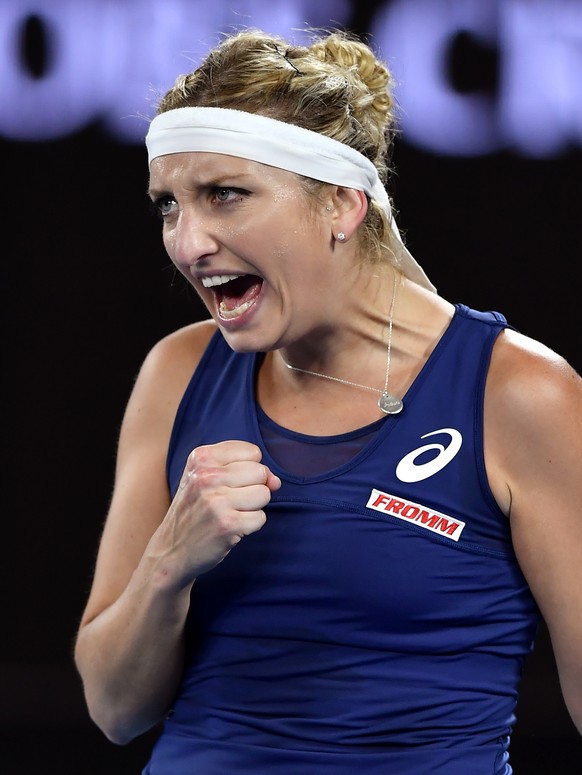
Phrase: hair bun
(358, 60)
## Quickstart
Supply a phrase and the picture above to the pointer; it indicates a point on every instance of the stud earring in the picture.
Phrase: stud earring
(341, 237)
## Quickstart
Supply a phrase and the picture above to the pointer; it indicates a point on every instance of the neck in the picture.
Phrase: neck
(387, 402)
(359, 327)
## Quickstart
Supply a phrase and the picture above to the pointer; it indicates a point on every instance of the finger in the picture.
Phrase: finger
(248, 499)
(232, 475)
(222, 453)
(227, 502)
(251, 522)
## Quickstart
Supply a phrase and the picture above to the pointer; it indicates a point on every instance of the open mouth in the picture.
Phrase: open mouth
(234, 294)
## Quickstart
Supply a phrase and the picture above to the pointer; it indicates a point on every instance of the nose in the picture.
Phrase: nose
(190, 240)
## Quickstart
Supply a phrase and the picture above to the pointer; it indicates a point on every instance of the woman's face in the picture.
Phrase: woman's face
(246, 237)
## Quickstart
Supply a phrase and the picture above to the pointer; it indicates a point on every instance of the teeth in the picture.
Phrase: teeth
(218, 279)
(230, 314)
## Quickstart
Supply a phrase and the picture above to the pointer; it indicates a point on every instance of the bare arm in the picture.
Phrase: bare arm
(130, 640)
(534, 422)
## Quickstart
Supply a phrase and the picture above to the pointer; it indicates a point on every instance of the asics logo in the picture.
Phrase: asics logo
(408, 470)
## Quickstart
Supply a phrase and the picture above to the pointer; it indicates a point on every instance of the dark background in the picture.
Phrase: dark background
(87, 290)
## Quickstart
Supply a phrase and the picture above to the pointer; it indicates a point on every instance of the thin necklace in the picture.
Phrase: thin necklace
(388, 403)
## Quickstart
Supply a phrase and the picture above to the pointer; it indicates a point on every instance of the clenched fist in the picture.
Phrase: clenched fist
(220, 500)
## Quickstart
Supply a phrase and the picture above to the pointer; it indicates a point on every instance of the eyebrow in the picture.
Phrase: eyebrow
(213, 182)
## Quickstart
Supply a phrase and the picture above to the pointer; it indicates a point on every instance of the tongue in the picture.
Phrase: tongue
(237, 292)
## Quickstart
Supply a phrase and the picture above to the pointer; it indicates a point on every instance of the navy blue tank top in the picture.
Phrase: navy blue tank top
(379, 621)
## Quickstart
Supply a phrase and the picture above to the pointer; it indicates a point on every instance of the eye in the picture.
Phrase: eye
(224, 194)
(163, 205)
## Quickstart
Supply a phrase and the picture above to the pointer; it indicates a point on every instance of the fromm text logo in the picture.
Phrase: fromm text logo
(414, 512)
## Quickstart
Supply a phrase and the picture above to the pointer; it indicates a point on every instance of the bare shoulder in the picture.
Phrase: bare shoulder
(527, 378)
(533, 405)
(533, 411)
(177, 355)
(191, 339)
(163, 378)
(169, 366)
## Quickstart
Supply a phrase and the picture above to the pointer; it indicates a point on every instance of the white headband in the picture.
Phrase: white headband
(286, 146)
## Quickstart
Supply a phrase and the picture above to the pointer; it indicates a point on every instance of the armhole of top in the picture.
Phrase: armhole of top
(185, 400)
(479, 420)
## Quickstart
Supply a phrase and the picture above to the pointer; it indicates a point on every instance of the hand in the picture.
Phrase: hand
(220, 500)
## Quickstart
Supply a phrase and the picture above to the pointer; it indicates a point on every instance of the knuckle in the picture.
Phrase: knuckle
(252, 452)
(205, 477)
(198, 457)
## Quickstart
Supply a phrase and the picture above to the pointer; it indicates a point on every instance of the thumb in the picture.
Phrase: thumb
(273, 482)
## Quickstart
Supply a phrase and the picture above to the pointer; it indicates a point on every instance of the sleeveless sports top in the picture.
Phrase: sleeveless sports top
(379, 621)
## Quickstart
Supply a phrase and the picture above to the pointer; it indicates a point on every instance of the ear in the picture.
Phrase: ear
(348, 208)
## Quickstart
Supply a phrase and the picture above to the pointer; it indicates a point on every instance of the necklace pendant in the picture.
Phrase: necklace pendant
(390, 404)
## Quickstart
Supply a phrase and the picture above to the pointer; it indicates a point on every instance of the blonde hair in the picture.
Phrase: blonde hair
(336, 87)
